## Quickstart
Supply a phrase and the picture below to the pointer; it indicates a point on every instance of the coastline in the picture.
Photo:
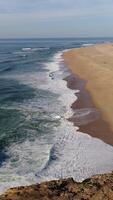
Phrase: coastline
(87, 148)
(88, 75)
(75, 153)
(96, 187)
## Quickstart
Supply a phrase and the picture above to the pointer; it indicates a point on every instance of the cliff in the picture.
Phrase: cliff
(98, 187)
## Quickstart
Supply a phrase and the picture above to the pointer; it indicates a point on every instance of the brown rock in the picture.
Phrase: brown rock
(98, 187)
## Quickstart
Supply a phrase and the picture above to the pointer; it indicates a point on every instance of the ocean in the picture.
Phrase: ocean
(37, 142)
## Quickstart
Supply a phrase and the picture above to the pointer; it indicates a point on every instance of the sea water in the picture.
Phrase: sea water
(37, 142)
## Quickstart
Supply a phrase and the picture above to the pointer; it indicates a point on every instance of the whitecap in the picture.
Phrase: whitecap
(76, 155)
(87, 45)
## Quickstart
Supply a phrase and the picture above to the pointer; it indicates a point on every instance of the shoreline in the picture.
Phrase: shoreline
(75, 83)
(96, 187)
(97, 125)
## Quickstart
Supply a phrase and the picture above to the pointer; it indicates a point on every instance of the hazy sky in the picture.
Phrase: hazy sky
(56, 18)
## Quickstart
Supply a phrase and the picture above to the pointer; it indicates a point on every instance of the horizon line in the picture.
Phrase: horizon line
(87, 37)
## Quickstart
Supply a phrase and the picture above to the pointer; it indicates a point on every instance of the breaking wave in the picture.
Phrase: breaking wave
(64, 152)
(34, 49)
(76, 155)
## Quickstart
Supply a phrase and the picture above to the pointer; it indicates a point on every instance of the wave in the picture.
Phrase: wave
(55, 103)
(64, 153)
(12, 60)
(27, 50)
(55, 83)
(6, 61)
(76, 155)
(87, 44)
(24, 159)
(6, 69)
(34, 49)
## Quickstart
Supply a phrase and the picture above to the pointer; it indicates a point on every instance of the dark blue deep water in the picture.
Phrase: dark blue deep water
(28, 110)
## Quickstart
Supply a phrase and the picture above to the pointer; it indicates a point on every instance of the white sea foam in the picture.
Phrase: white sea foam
(28, 50)
(24, 160)
(76, 155)
(28, 157)
(58, 85)
(85, 115)
(70, 153)
(34, 49)
(87, 45)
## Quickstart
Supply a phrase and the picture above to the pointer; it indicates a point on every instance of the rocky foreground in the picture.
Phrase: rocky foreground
(99, 187)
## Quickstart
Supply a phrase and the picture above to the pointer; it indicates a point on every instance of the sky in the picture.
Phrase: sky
(56, 18)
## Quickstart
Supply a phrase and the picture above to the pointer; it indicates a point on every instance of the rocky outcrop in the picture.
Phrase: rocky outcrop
(99, 187)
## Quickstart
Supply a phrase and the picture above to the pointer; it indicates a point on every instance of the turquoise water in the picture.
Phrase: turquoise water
(30, 110)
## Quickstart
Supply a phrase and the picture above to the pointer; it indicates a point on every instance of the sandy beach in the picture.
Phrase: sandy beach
(93, 69)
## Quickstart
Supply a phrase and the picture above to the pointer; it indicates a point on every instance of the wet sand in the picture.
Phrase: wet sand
(92, 69)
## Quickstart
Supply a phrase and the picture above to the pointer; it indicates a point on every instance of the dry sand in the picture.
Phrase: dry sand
(95, 65)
